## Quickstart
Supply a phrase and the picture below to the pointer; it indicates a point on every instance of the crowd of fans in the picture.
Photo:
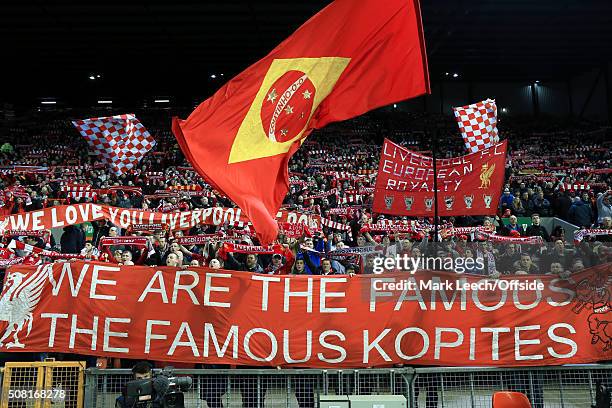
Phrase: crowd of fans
(561, 170)
(548, 174)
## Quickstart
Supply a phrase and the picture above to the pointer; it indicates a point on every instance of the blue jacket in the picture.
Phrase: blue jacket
(313, 257)
(506, 201)
(580, 214)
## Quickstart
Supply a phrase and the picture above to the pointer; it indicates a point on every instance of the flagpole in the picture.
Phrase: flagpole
(434, 149)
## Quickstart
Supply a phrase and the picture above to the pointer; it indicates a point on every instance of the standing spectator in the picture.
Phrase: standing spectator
(535, 229)
(539, 204)
(580, 213)
(604, 206)
(72, 240)
(512, 225)
(89, 251)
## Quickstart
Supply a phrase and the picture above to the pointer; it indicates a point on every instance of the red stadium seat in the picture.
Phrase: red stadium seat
(508, 399)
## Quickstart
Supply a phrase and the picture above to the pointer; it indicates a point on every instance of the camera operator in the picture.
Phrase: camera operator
(141, 371)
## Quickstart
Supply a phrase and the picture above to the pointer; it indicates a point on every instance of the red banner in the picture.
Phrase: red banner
(217, 316)
(63, 215)
(467, 185)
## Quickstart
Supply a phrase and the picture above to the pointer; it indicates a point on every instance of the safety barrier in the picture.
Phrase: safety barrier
(563, 386)
(43, 384)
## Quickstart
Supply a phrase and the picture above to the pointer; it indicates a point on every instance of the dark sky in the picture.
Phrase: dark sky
(151, 48)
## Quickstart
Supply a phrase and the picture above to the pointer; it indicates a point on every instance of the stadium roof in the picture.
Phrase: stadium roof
(174, 47)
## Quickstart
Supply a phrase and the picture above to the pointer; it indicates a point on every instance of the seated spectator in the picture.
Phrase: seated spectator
(517, 208)
(506, 199)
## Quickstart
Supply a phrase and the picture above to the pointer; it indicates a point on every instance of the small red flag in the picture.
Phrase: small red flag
(351, 57)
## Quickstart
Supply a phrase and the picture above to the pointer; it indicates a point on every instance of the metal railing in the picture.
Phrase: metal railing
(564, 386)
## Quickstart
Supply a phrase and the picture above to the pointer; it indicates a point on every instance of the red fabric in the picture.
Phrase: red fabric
(163, 314)
(240, 140)
(467, 185)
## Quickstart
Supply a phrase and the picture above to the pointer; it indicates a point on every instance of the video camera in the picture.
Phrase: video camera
(164, 390)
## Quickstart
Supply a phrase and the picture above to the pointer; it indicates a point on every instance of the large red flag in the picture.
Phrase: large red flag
(351, 57)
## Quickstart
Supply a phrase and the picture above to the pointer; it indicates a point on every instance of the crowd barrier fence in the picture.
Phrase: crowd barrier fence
(447, 387)
(43, 384)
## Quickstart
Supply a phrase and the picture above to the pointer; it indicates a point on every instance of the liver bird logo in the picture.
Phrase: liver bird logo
(18, 301)
(485, 175)
(594, 294)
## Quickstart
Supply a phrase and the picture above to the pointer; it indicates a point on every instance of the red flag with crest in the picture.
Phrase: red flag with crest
(349, 58)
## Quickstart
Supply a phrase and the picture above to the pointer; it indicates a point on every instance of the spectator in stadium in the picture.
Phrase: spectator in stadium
(512, 225)
(309, 251)
(118, 256)
(126, 258)
(539, 204)
(280, 266)
(72, 240)
(559, 254)
(299, 267)
(604, 206)
(472, 267)
(561, 204)
(100, 229)
(173, 260)
(525, 264)
(525, 199)
(557, 269)
(518, 209)
(535, 229)
(250, 264)
(160, 250)
(580, 213)
(216, 263)
(89, 251)
(506, 199)
(558, 233)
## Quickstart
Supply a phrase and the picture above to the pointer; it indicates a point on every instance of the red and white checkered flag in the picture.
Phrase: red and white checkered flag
(120, 141)
(478, 124)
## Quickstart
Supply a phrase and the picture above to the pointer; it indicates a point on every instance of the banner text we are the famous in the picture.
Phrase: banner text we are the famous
(229, 317)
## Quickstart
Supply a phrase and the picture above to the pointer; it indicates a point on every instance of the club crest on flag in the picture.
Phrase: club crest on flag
(468, 200)
(428, 203)
(290, 92)
(449, 201)
(485, 175)
(408, 202)
(487, 200)
(389, 201)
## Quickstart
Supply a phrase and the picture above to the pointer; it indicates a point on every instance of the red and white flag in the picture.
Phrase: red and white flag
(478, 124)
(120, 141)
